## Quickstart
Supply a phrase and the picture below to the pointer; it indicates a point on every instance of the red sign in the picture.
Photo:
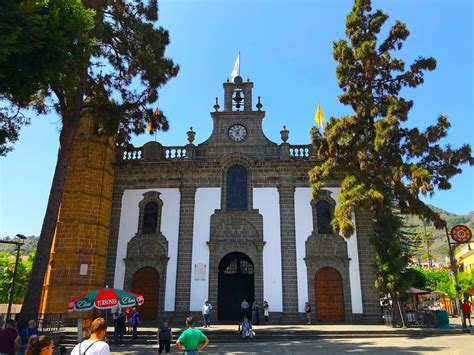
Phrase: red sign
(461, 233)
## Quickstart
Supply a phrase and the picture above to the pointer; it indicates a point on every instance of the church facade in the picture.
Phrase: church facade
(228, 219)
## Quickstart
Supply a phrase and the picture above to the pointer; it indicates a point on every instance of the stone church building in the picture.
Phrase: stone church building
(227, 219)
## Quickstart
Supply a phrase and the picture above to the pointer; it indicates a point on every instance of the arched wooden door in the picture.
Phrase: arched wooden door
(146, 281)
(329, 295)
(236, 282)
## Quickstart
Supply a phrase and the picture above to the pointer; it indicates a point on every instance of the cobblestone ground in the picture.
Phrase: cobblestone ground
(456, 344)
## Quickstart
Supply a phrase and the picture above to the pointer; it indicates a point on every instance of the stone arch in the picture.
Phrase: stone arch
(328, 251)
(235, 232)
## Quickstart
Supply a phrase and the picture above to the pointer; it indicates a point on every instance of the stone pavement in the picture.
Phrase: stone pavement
(456, 344)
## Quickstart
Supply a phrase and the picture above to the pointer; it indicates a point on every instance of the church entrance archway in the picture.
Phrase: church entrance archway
(329, 295)
(235, 282)
(146, 281)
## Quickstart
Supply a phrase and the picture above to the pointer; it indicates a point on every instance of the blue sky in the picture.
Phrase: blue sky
(286, 50)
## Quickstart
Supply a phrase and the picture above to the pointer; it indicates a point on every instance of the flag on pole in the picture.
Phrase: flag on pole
(319, 117)
(155, 113)
(236, 70)
(149, 127)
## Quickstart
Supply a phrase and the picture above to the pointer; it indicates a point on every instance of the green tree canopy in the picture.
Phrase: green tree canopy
(38, 40)
(384, 165)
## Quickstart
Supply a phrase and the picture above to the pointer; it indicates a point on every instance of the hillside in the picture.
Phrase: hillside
(439, 247)
(30, 244)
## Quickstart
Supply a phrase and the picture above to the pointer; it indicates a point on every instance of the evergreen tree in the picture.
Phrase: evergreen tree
(117, 84)
(386, 165)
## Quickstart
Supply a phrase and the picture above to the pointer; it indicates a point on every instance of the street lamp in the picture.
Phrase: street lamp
(19, 242)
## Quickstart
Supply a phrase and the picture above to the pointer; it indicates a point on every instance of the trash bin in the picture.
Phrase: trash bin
(442, 318)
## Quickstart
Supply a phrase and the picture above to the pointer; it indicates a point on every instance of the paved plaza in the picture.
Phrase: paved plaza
(456, 344)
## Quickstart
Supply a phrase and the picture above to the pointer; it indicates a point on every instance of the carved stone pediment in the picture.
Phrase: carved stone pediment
(147, 246)
(326, 246)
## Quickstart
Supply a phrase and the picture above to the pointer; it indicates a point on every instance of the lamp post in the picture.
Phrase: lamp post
(19, 242)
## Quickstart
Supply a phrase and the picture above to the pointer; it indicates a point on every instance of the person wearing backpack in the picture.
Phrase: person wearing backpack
(95, 344)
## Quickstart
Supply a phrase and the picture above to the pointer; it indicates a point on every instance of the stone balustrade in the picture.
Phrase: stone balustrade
(300, 151)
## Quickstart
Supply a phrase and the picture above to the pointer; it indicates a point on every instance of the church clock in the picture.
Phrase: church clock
(237, 133)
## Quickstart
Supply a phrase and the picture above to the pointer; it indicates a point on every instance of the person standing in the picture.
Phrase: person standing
(192, 340)
(120, 328)
(164, 336)
(42, 345)
(26, 333)
(466, 312)
(307, 309)
(8, 338)
(206, 313)
(95, 345)
(244, 308)
(135, 321)
(256, 313)
(266, 312)
(128, 316)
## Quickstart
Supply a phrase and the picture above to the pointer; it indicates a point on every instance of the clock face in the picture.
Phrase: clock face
(237, 133)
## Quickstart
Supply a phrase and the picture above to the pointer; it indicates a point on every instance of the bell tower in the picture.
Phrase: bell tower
(238, 95)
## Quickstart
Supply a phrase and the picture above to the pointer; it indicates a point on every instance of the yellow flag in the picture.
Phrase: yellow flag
(319, 118)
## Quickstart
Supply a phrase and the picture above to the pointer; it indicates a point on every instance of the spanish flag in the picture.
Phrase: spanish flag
(156, 112)
(319, 117)
(149, 127)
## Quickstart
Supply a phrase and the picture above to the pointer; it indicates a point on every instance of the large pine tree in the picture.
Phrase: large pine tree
(116, 81)
(386, 165)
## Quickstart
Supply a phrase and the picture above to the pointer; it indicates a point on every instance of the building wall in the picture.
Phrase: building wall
(304, 228)
(169, 229)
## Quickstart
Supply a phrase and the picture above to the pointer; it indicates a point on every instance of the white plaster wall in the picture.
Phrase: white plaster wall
(304, 227)
(169, 228)
(267, 201)
(207, 200)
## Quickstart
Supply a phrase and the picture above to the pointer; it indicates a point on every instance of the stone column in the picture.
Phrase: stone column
(288, 248)
(370, 294)
(185, 249)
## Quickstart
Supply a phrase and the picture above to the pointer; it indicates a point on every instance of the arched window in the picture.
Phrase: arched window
(150, 218)
(323, 215)
(236, 188)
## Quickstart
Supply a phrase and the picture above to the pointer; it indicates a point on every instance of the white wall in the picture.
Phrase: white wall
(304, 228)
(207, 200)
(169, 228)
(267, 201)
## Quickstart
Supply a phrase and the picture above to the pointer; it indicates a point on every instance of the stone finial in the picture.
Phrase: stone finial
(216, 106)
(191, 135)
(259, 104)
(228, 79)
(284, 134)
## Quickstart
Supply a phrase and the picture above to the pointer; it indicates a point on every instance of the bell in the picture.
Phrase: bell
(237, 97)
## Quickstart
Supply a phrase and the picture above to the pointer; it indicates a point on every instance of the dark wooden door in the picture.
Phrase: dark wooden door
(329, 295)
(146, 281)
(236, 282)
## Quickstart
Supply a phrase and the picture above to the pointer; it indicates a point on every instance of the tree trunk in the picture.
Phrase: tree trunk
(32, 299)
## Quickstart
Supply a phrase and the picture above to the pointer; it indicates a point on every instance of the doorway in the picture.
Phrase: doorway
(329, 295)
(146, 281)
(235, 282)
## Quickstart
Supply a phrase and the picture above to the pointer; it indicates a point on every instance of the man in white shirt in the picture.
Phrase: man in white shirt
(95, 345)
(206, 313)
(244, 307)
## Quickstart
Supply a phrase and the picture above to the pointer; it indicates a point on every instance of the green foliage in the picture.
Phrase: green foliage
(415, 277)
(40, 41)
(466, 281)
(7, 268)
(386, 165)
